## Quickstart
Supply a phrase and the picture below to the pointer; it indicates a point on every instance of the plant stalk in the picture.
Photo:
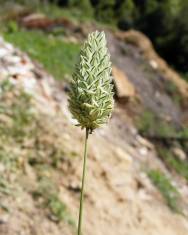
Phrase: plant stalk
(83, 181)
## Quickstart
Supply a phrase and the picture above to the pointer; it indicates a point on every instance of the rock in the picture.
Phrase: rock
(143, 151)
(4, 218)
(5, 119)
(3, 52)
(143, 195)
(33, 16)
(2, 168)
(124, 88)
(144, 182)
(28, 170)
(46, 89)
(153, 64)
(144, 142)
(179, 153)
(145, 46)
(43, 22)
(123, 156)
(12, 59)
(35, 20)
(29, 84)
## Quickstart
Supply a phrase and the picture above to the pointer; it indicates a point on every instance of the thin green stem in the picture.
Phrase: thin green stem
(83, 181)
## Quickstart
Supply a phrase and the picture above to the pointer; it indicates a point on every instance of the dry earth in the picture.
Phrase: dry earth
(119, 197)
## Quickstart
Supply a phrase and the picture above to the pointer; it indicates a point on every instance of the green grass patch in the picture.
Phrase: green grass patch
(16, 127)
(57, 56)
(149, 124)
(23, 142)
(184, 135)
(169, 192)
(173, 162)
(48, 192)
(16, 113)
(59, 209)
(173, 91)
(78, 13)
(75, 12)
(72, 13)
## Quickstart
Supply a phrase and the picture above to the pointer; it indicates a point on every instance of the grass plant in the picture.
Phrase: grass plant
(91, 96)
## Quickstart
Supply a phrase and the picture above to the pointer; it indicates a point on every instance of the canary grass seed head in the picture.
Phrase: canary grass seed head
(91, 97)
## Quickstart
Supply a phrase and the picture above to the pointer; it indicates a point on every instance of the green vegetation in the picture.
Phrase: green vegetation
(16, 123)
(91, 100)
(169, 192)
(74, 11)
(22, 143)
(57, 56)
(80, 11)
(148, 124)
(164, 22)
(151, 126)
(16, 113)
(173, 162)
(47, 191)
(4, 189)
(173, 91)
(184, 134)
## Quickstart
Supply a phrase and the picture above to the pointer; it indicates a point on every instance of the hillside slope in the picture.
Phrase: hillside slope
(41, 153)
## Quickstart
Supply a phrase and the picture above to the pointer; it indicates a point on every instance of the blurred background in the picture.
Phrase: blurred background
(164, 22)
(137, 179)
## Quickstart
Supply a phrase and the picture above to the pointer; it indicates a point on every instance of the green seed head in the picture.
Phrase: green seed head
(91, 97)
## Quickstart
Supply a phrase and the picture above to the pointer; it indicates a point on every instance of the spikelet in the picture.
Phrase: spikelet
(91, 97)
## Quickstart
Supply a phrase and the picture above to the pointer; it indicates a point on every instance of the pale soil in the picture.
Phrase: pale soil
(119, 198)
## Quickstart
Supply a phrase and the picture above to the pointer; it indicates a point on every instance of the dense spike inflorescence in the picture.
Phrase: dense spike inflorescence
(91, 96)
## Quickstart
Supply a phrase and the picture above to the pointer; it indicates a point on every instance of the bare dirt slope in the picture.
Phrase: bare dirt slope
(150, 83)
(42, 180)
